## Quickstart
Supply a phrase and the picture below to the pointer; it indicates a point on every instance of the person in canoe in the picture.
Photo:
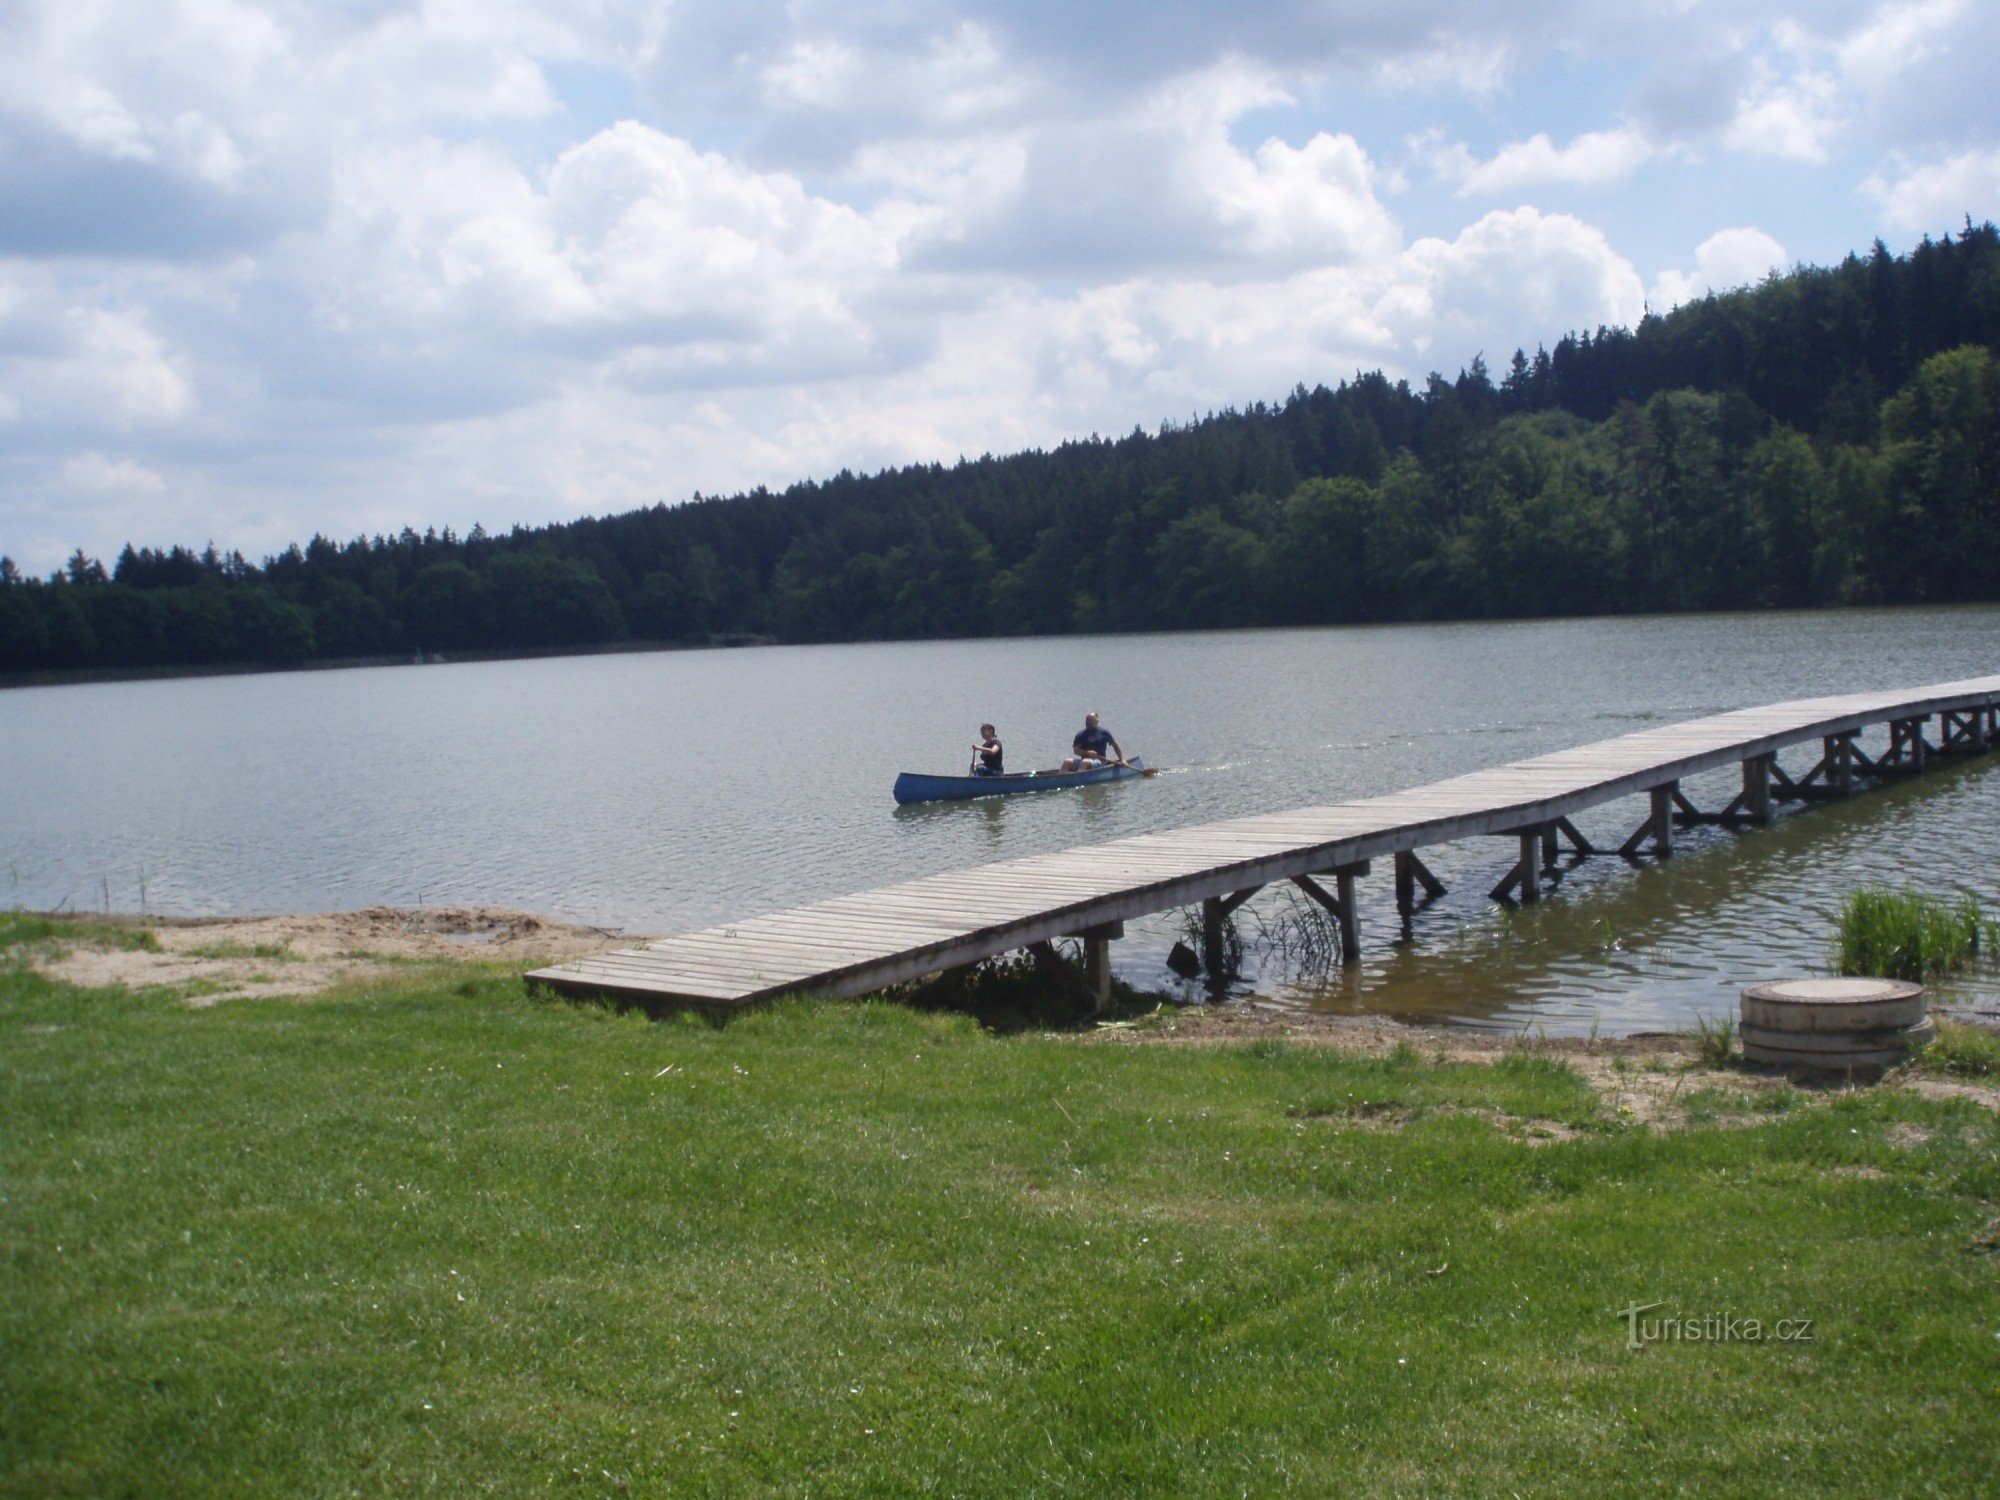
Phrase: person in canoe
(1088, 751)
(988, 754)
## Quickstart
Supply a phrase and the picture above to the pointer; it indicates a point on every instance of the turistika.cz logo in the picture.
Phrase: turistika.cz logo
(1708, 1328)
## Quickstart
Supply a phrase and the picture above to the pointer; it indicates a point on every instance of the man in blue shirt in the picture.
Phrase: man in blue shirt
(1088, 749)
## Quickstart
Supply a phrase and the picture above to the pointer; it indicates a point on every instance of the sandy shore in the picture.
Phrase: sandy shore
(230, 958)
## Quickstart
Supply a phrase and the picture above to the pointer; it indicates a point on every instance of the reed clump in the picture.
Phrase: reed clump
(1906, 934)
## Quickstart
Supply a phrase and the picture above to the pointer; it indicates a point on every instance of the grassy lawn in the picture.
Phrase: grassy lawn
(440, 1236)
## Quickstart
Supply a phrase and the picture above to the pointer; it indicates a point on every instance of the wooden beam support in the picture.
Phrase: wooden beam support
(1214, 949)
(1410, 873)
(1810, 784)
(1908, 750)
(1231, 902)
(1097, 968)
(1658, 829)
(1840, 763)
(1350, 918)
(1577, 841)
(1340, 902)
(1524, 878)
(1756, 797)
(1530, 867)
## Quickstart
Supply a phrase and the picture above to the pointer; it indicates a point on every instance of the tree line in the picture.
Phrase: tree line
(1830, 436)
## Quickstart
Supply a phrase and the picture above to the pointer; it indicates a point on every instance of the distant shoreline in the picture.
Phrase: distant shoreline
(80, 675)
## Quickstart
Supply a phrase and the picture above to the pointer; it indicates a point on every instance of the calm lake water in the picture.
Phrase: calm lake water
(665, 791)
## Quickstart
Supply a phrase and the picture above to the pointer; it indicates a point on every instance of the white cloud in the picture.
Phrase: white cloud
(1509, 279)
(1166, 184)
(1595, 159)
(1729, 259)
(90, 370)
(1939, 196)
(1793, 120)
(1898, 39)
(94, 474)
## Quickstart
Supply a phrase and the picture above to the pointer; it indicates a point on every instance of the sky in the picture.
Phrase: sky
(283, 268)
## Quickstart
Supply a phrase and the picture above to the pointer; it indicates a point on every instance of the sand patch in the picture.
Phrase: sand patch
(238, 958)
(1649, 1080)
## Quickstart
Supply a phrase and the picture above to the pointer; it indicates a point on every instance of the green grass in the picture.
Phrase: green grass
(439, 1236)
(280, 951)
(20, 929)
(1960, 1048)
(1904, 934)
(1715, 1039)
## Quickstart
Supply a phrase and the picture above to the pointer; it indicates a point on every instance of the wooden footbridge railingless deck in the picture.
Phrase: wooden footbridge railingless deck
(862, 942)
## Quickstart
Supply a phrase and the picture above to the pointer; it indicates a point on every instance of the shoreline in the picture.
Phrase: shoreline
(1646, 1079)
(299, 955)
(82, 676)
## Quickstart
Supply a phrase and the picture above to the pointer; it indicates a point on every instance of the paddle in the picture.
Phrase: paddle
(1142, 770)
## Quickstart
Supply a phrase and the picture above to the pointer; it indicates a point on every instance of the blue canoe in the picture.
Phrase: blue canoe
(915, 786)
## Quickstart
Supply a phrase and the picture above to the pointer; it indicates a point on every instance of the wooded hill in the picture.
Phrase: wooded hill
(1830, 436)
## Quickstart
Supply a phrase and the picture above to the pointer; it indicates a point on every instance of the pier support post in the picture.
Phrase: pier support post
(1757, 788)
(1097, 969)
(1537, 844)
(1533, 841)
(1214, 955)
(1410, 873)
(1658, 829)
(1340, 902)
(1350, 921)
(1215, 911)
(1840, 762)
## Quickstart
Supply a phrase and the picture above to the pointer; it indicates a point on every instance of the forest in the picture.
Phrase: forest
(1830, 436)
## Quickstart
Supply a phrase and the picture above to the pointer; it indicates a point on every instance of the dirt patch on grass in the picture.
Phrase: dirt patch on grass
(1647, 1080)
(1532, 1130)
(236, 958)
(1986, 1095)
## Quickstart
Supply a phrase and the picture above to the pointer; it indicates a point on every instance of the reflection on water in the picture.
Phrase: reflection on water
(662, 792)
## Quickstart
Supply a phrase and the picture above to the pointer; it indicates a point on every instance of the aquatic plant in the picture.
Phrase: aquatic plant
(1905, 934)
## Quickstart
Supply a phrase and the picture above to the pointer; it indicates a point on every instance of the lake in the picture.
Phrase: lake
(660, 791)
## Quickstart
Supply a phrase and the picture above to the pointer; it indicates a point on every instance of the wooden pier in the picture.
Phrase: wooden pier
(859, 943)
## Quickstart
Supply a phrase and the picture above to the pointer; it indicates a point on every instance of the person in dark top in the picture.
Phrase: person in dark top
(988, 753)
(1089, 748)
